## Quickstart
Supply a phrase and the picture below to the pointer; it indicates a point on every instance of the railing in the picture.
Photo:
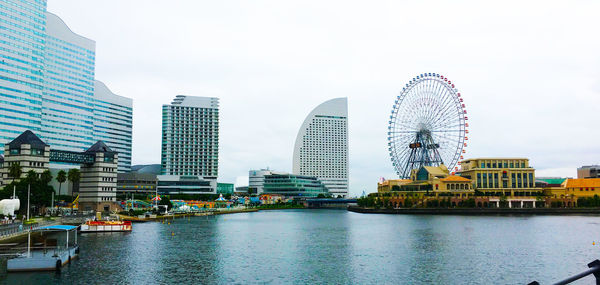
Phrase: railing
(594, 269)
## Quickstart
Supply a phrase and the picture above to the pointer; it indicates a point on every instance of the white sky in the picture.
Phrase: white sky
(529, 72)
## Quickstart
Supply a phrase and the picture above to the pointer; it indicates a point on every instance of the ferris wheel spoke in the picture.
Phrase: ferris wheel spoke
(429, 103)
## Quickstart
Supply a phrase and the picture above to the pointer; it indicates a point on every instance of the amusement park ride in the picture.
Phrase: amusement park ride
(428, 125)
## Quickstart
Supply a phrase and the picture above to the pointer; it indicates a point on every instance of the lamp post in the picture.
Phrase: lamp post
(28, 190)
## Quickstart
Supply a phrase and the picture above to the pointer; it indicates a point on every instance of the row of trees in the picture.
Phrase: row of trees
(40, 191)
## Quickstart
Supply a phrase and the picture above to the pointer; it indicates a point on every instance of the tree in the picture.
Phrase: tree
(166, 201)
(46, 177)
(61, 177)
(32, 177)
(74, 176)
(15, 170)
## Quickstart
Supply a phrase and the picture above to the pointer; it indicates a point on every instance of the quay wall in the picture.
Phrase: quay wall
(477, 211)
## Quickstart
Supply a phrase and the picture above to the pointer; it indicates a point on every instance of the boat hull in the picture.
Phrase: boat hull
(40, 261)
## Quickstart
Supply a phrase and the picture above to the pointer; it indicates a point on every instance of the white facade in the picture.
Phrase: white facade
(190, 137)
(321, 148)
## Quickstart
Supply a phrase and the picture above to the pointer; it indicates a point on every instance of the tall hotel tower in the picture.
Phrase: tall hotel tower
(48, 86)
(190, 137)
(321, 148)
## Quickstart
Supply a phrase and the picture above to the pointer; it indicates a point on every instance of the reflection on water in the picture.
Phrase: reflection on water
(336, 247)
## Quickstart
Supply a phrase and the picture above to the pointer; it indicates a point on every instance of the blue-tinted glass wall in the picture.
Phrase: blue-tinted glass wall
(68, 97)
(22, 41)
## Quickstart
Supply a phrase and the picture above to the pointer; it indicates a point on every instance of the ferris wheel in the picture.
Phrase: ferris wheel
(428, 125)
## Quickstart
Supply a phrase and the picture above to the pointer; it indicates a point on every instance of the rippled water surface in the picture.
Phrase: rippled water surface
(335, 247)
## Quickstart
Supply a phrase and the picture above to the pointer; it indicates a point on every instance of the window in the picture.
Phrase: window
(14, 151)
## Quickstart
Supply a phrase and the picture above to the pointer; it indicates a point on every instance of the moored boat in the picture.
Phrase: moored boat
(46, 258)
(106, 226)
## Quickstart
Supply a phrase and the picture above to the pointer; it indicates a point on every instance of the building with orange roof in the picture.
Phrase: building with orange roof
(581, 187)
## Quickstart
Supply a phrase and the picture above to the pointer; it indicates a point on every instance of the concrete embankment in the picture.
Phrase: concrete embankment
(178, 216)
(475, 211)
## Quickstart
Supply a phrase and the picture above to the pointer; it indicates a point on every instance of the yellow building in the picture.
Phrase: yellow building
(585, 187)
(501, 176)
(429, 181)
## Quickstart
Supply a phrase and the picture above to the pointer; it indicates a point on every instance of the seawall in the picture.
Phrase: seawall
(478, 211)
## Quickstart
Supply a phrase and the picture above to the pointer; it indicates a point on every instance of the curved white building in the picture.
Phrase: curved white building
(321, 148)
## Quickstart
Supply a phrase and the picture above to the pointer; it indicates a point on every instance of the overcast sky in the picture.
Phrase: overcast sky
(529, 72)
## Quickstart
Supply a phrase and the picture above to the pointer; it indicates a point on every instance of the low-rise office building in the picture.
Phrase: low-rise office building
(225, 188)
(291, 185)
(137, 183)
(185, 184)
(256, 180)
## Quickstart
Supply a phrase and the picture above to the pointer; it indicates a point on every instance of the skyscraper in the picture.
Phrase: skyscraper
(47, 84)
(190, 137)
(68, 95)
(321, 148)
(113, 123)
(22, 42)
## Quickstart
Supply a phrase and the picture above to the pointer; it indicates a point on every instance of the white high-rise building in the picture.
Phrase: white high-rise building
(321, 148)
(47, 84)
(190, 137)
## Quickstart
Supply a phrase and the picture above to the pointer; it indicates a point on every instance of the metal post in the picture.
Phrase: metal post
(595, 264)
(29, 244)
(28, 190)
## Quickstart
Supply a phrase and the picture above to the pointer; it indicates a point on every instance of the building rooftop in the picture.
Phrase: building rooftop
(27, 137)
(496, 158)
(455, 178)
(99, 146)
(582, 182)
(437, 170)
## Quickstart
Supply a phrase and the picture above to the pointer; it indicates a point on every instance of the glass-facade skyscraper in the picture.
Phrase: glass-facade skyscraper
(48, 86)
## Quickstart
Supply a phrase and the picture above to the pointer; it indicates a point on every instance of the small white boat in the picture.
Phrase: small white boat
(46, 258)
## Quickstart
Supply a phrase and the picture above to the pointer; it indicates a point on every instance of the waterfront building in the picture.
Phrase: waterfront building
(47, 83)
(256, 180)
(501, 176)
(588, 171)
(321, 147)
(190, 138)
(27, 150)
(292, 185)
(582, 187)
(185, 184)
(241, 190)
(98, 164)
(430, 181)
(225, 188)
(136, 182)
(98, 186)
(113, 122)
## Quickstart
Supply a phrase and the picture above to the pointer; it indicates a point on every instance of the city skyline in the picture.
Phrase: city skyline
(539, 88)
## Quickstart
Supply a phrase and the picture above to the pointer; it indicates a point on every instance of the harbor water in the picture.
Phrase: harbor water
(334, 247)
